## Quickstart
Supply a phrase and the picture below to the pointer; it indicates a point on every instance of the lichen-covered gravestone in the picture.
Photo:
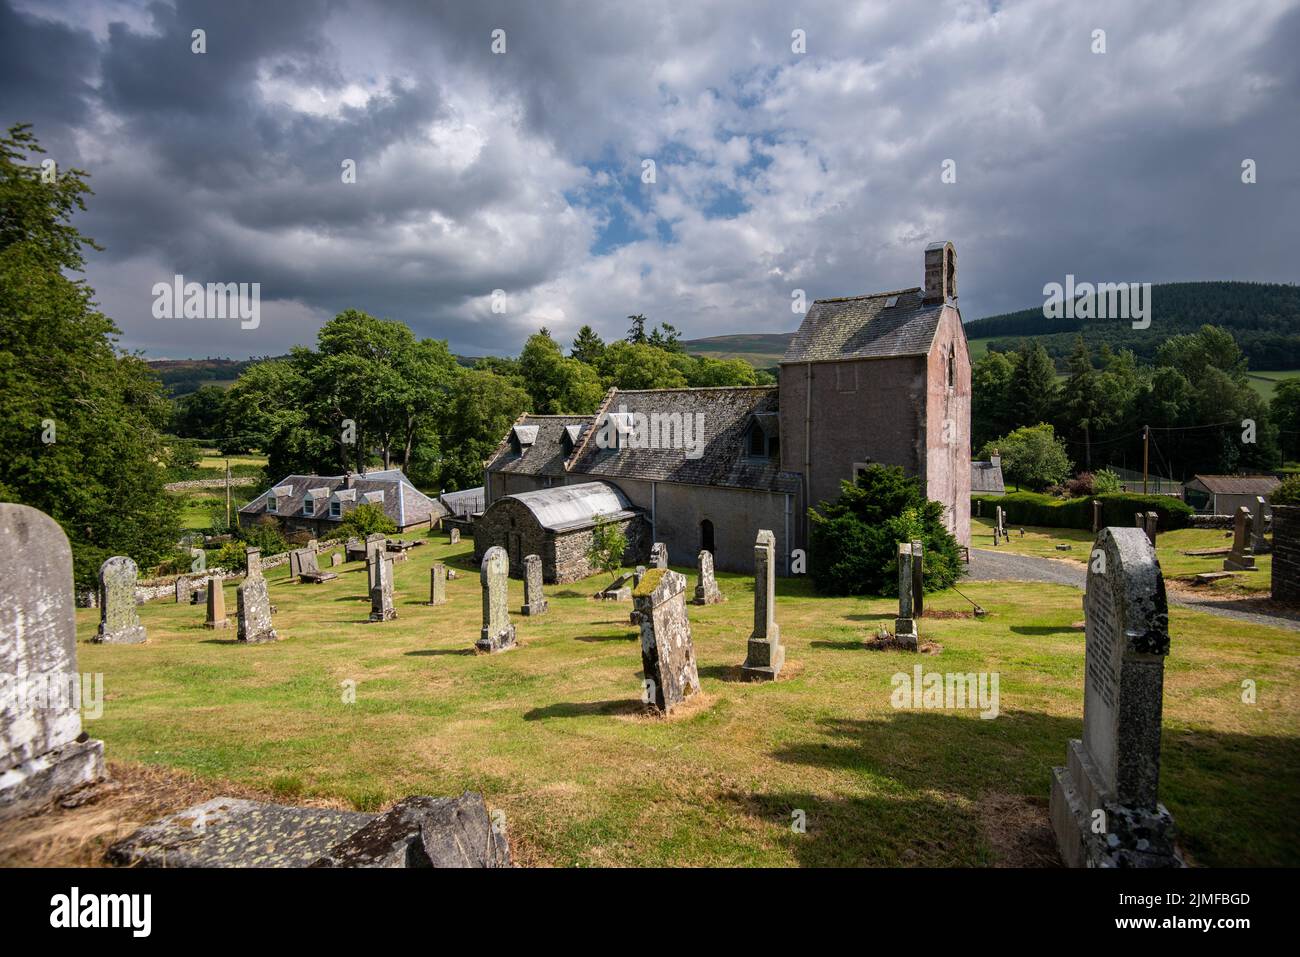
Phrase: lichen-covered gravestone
(667, 653)
(765, 654)
(216, 605)
(119, 622)
(1240, 559)
(183, 588)
(1257, 526)
(658, 555)
(43, 752)
(534, 598)
(454, 536)
(253, 611)
(905, 624)
(706, 589)
(253, 562)
(497, 634)
(381, 592)
(336, 559)
(1104, 806)
(438, 584)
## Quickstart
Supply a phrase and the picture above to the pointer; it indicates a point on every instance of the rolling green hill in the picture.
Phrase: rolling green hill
(762, 350)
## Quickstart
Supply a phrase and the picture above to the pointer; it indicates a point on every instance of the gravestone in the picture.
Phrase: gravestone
(1096, 515)
(381, 591)
(119, 622)
(355, 550)
(253, 562)
(253, 612)
(636, 575)
(658, 555)
(199, 596)
(43, 753)
(336, 559)
(216, 617)
(1104, 806)
(995, 536)
(918, 579)
(375, 545)
(1151, 523)
(1257, 526)
(1240, 559)
(706, 588)
(454, 536)
(426, 832)
(1002, 522)
(497, 634)
(667, 653)
(438, 584)
(979, 507)
(183, 589)
(1139, 520)
(620, 589)
(309, 571)
(765, 654)
(295, 563)
(905, 623)
(534, 599)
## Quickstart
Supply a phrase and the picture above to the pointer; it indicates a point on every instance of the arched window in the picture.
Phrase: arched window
(706, 536)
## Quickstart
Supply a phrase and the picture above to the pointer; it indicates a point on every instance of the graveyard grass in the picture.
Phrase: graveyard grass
(553, 732)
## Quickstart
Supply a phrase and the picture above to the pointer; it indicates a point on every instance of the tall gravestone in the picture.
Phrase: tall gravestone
(216, 617)
(1104, 806)
(534, 598)
(43, 753)
(1240, 559)
(918, 577)
(253, 611)
(295, 563)
(438, 584)
(1257, 526)
(905, 624)
(119, 622)
(667, 652)
(497, 634)
(1096, 515)
(658, 555)
(183, 589)
(765, 654)
(706, 588)
(253, 563)
(381, 591)
(1002, 522)
(454, 536)
(1151, 522)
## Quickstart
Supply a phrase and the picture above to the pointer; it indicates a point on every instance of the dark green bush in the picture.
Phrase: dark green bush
(1033, 508)
(1288, 493)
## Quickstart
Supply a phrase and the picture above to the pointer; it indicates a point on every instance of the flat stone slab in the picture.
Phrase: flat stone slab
(1204, 578)
(232, 832)
(423, 831)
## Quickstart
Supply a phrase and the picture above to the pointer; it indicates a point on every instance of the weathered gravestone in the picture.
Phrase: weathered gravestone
(658, 555)
(765, 654)
(620, 589)
(426, 832)
(667, 653)
(1151, 522)
(376, 544)
(381, 591)
(1139, 520)
(497, 634)
(454, 535)
(534, 599)
(636, 575)
(1002, 522)
(706, 588)
(1096, 515)
(905, 624)
(183, 589)
(1104, 806)
(43, 752)
(918, 577)
(253, 562)
(119, 622)
(309, 571)
(1240, 559)
(253, 611)
(1257, 526)
(216, 617)
(295, 563)
(355, 550)
(995, 535)
(336, 559)
(438, 584)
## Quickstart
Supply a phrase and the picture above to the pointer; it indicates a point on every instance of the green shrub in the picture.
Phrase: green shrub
(1033, 508)
(366, 519)
(1288, 493)
(854, 540)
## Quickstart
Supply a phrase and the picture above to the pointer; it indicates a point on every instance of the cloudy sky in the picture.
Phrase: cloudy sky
(774, 169)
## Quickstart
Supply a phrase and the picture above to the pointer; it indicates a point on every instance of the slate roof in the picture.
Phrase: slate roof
(467, 501)
(402, 502)
(1237, 484)
(986, 477)
(865, 327)
(548, 451)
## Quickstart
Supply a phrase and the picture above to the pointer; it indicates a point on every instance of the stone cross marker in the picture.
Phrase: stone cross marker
(119, 622)
(438, 584)
(905, 623)
(1240, 559)
(765, 654)
(381, 591)
(1096, 515)
(534, 599)
(497, 634)
(253, 612)
(42, 752)
(216, 605)
(706, 589)
(1104, 806)
(183, 588)
(667, 652)
(454, 536)
(1257, 526)
(658, 555)
(1151, 523)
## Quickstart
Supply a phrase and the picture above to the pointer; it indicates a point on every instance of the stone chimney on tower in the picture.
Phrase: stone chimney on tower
(940, 272)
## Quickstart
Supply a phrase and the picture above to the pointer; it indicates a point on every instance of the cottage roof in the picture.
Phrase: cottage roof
(1237, 484)
(879, 325)
(402, 501)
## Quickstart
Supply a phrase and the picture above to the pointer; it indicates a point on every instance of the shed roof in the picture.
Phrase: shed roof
(1237, 484)
(565, 507)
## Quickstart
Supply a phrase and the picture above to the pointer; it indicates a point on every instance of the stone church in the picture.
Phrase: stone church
(880, 378)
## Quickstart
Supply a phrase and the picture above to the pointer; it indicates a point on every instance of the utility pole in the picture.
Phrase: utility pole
(1146, 455)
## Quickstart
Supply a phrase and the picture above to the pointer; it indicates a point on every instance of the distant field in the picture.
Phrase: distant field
(760, 349)
(1265, 383)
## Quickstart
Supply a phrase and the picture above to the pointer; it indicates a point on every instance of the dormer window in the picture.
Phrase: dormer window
(762, 438)
(308, 505)
(572, 433)
(522, 437)
(757, 442)
(336, 509)
(271, 505)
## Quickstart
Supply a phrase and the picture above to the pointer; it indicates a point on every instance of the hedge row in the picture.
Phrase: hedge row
(1033, 508)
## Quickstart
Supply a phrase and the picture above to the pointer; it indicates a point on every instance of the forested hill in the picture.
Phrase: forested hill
(1264, 318)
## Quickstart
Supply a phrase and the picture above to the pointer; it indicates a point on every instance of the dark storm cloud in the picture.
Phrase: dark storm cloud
(776, 170)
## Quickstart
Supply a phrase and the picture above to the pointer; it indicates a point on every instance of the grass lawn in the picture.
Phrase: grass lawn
(194, 505)
(1265, 383)
(1170, 546)
(210, 459)
(554, 734)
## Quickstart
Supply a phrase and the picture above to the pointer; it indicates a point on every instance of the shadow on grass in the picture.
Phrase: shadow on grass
(1046, 630)
(882, 617)
(626, 636)
(581, 709)
(220, 641)
(723, 673)
(839, 645)
(436, 652)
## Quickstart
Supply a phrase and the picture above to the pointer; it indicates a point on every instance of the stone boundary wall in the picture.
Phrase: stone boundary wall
(238, 481)
(1286, 553)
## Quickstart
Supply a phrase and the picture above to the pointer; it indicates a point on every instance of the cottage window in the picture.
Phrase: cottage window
(756, 441)
(270, 503)
(336, 509)
(308, 508)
